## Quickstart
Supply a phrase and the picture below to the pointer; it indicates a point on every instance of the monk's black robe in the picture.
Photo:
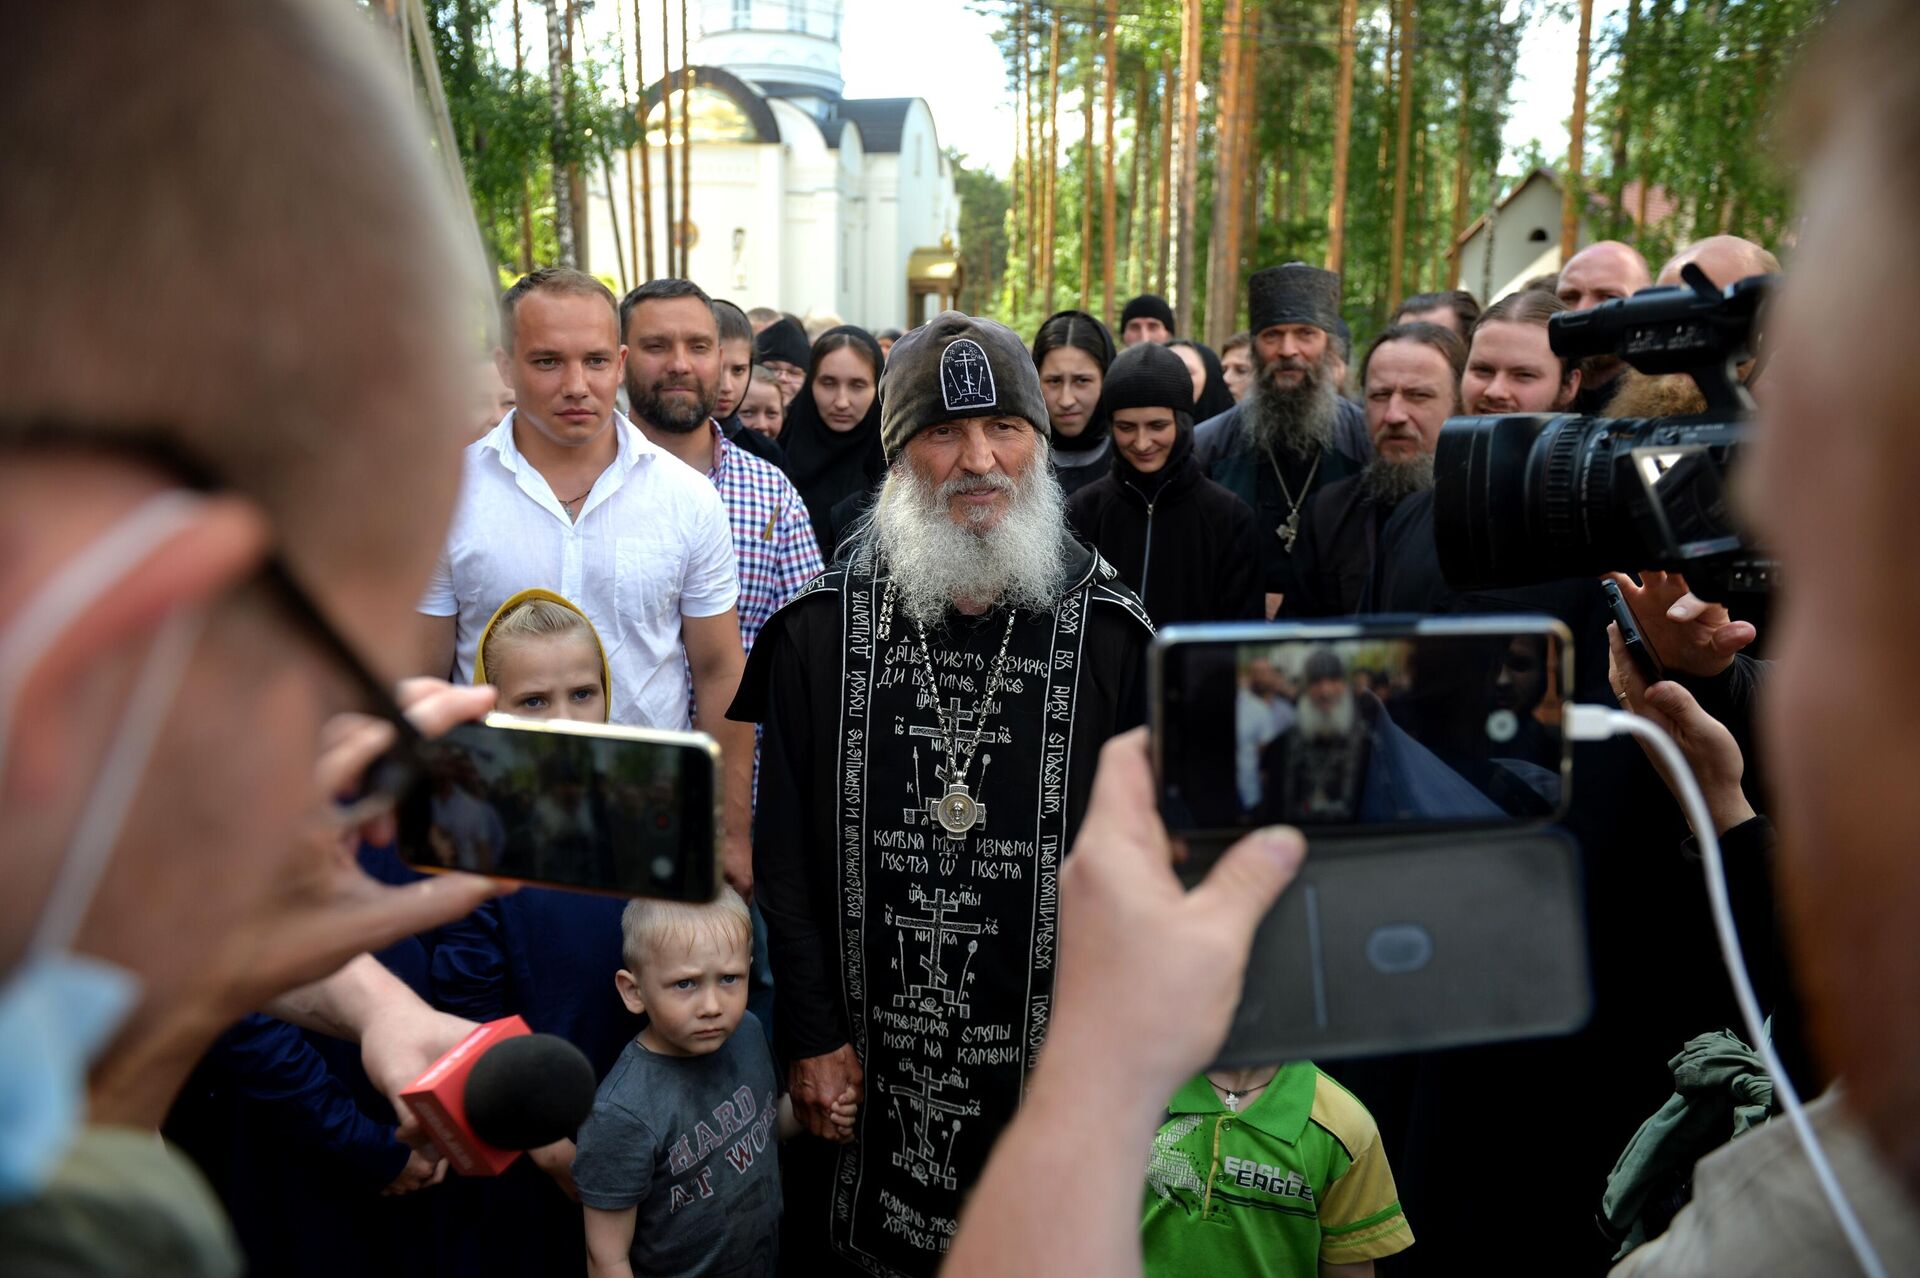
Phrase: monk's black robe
(932, 956)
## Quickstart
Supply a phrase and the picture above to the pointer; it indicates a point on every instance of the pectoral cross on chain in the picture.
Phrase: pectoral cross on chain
(957, 812)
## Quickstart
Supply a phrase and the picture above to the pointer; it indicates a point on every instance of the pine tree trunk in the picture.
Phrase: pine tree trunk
(576, 172)
(1462, 144)
(646, 158)
(1189, 164)
(1086, 184)
(1572, 194)
(557, 111)
(1248, 188)
(1049, 173)
(1221, 250)
(526, 183)
(1108, 228)
(1342, 138)
(666, 135)
(1030, 222)
(686, 148)
(1139, 197)
(1022, 162)
(1163, 220)
(1397, 243)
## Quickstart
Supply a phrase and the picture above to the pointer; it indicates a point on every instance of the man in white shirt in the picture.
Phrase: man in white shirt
(568, 495)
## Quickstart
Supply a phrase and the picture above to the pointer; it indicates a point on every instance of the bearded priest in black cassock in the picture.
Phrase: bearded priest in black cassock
(934, 707)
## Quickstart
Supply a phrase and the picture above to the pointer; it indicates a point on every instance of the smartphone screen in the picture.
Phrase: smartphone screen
(592, 807)
(1362, 726)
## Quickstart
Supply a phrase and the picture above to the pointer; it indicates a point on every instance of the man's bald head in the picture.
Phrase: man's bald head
(1602, 272)
(226, 231)
(1724, 259)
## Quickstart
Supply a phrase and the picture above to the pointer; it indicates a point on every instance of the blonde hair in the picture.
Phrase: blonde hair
(647, 925)
(534, 619)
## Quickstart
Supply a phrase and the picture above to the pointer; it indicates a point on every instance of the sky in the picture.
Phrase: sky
(944, 52)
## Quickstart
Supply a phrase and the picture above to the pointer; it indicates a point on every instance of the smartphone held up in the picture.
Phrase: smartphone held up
(587, 806)
(1426, 760)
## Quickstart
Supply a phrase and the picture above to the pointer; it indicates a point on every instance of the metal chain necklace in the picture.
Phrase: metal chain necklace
(957, 812)
(1291, 529)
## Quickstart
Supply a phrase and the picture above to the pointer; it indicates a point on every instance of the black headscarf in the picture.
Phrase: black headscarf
(1214, 398)
(1180, 468)
(827, 465)
(1083, 332)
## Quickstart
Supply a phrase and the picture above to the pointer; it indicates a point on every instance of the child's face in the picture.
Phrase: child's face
(760, 410)
(736, 368)
(694, 994)
(551, 677)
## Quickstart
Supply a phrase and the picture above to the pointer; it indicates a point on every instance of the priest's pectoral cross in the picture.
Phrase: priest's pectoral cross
(1291, 529)
(957, 812)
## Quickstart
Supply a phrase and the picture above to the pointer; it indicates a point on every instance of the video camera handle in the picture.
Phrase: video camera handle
(1601, 723)
(1694, 328)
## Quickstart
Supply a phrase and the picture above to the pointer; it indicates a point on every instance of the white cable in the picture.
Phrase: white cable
(1599, 723)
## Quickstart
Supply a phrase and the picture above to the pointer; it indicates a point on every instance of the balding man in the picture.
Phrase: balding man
(1723, 258)
(212, 541)
(1601, 273)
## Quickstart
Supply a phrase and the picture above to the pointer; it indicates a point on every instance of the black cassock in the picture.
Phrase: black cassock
(932, 955)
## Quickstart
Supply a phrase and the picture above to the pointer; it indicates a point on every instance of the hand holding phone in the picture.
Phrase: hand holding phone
(1638, 650)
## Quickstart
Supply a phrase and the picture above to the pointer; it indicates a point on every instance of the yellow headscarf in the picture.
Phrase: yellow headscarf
(480, 653)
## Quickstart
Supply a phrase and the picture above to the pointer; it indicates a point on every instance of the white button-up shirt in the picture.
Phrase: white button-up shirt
(652, 544)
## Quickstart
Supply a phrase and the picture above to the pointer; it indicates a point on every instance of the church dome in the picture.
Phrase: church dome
(786, 47)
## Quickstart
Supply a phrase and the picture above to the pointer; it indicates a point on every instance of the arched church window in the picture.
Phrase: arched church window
(742, 14)
(716, 118)
(797, 15)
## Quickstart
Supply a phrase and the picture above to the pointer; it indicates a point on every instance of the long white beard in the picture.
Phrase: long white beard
(1021, 561)
(1313, 722)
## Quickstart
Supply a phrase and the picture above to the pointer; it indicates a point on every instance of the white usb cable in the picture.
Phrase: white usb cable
(1600, 723)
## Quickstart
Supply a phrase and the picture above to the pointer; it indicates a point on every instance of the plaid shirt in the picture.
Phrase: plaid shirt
(772, 536)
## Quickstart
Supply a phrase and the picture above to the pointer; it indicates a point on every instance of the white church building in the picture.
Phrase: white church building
(803, 200)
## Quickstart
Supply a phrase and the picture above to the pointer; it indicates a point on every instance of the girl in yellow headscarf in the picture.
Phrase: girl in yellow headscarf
(546, 659)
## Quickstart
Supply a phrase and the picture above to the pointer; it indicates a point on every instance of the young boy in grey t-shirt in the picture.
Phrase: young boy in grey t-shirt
(676, 1165)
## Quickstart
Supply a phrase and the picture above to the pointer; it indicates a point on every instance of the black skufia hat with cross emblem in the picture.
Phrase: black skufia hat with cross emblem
(956, 366)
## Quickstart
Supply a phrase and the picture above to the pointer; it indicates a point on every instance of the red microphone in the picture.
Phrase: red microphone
(502, 1090)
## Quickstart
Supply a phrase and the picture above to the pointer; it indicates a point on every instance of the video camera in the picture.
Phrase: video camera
(1520, 499)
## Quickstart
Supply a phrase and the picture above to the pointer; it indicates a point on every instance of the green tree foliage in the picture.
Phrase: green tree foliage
(983, 232)
(501, 120)
(1697, 80)
(1687, 106)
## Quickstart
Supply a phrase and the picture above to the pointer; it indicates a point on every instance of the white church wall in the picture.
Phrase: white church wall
(886, 291)
(850, 290)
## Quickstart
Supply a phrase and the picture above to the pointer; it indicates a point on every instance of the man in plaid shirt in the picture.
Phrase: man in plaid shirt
(673, 375)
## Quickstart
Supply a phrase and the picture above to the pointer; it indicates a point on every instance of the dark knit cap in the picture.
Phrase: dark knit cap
(1147, 306)
(1147, 375)
(956, 366)
(1322, 664)
(783, 340)
(1293, 294)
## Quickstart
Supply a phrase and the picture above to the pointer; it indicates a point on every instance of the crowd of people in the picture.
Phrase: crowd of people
(952, 1009)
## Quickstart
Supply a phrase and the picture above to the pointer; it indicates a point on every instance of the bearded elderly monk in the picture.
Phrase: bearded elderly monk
(1293, 434)
(934, 707)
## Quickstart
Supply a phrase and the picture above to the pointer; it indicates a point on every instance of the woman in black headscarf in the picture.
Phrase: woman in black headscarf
(1211, 397)
(1072, 351)
(832, 438)
(1181, 542)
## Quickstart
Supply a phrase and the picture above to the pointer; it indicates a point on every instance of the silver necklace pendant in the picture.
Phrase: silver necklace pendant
(958, 811)
(1289, 530)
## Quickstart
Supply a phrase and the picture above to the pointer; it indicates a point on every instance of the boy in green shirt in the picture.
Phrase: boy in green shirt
(1269, 1170)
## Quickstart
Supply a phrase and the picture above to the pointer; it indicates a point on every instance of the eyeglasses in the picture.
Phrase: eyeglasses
(391, 775)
